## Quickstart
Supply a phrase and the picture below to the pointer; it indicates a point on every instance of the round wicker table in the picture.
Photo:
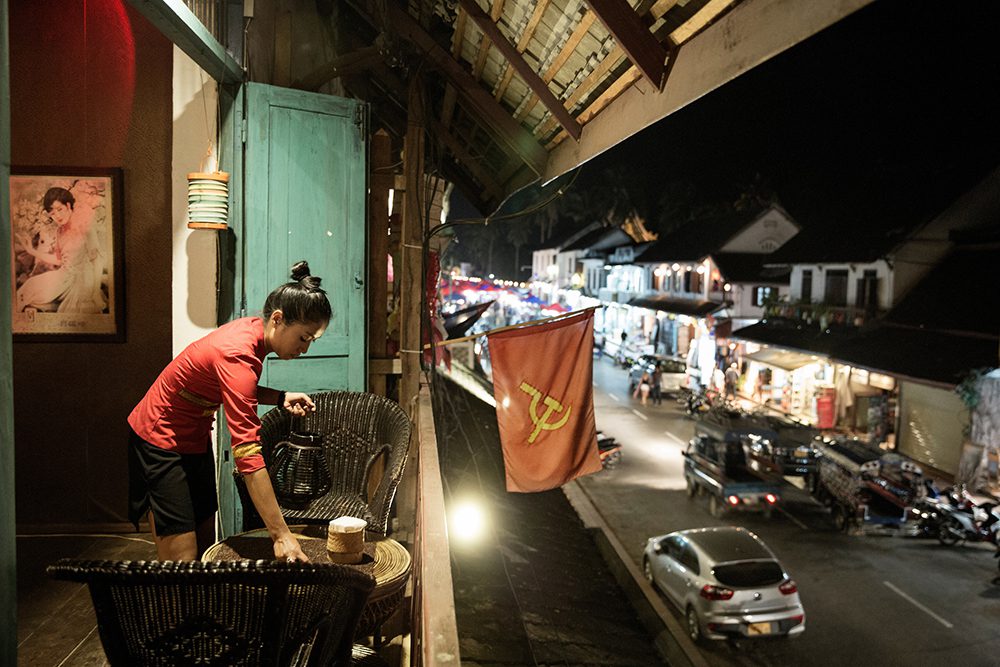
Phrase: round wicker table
(384, 558)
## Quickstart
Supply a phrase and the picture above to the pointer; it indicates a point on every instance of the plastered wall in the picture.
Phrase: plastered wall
(90, 86)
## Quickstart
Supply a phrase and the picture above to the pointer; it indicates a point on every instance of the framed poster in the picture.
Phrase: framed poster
(67, 262)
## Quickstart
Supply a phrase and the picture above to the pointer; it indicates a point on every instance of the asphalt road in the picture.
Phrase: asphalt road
(868, 600)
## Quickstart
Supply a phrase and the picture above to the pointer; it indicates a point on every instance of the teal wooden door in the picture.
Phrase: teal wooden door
(305, 199)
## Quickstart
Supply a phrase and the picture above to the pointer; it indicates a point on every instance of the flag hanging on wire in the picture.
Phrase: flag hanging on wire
(543, 385)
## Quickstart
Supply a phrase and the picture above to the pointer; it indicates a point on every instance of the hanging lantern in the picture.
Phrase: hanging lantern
(208, 200)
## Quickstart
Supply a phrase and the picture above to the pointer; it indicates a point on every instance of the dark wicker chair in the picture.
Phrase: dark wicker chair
(357, 428)
(224, 613)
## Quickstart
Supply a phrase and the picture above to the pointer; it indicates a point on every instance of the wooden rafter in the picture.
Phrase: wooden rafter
(629, 31)
(564, 53)
(448, 103)
(518, 139)
(522, 45)
(657, 11)
(661, 7)
(683, 32)
(697, 23)
(523, 68)
(587, 85)
(604, 99)
(496, 9)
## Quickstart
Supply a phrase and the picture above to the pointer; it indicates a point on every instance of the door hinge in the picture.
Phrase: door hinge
(360, 116)
(243, 130)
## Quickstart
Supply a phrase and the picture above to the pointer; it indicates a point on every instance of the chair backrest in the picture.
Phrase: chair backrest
(223, 613)
(357, 428)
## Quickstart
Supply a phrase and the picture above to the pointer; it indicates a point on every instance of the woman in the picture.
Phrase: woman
(171, 469)
(74, 283)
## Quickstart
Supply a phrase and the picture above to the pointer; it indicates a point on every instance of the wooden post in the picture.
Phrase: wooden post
(8, 541)
(411, 249)
(378, 250)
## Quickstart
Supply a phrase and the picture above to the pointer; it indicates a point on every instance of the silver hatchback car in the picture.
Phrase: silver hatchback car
(726, 582)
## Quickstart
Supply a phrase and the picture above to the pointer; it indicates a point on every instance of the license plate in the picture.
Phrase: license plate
(759, 629)
(750, 500)
(801, 453)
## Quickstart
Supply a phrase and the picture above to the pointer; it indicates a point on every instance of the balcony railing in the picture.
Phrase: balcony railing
(820, 314)
(433, 630)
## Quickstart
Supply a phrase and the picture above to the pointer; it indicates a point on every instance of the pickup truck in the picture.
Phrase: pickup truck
(772, 444)
(719, 468)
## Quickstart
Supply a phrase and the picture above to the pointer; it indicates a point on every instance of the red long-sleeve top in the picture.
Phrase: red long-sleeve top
(223, 368)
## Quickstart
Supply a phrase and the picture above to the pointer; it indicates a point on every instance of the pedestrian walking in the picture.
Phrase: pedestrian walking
(656, 389)
(731, 378)
(642, 389)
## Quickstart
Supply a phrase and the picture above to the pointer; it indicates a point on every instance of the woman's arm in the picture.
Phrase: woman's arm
(262, 493)
(295, 402)
(47, 257)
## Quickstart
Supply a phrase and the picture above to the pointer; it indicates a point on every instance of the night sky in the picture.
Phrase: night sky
(880, 120)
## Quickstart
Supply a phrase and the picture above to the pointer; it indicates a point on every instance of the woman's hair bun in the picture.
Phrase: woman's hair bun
(300, 270)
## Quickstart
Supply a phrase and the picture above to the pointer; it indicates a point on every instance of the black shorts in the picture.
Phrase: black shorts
(178, 488)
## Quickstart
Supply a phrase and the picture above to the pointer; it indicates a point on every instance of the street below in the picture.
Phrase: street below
(868, 600)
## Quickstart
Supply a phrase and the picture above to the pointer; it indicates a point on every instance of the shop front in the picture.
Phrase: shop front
(798, 384)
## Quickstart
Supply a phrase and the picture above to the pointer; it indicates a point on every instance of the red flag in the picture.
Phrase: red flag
(543, 385)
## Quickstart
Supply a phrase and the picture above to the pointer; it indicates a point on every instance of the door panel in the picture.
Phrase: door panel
(306, 200)
(303, 197)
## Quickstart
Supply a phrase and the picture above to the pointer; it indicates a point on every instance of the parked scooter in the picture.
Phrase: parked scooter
(696, 403)
(609, 449)
(961, 520)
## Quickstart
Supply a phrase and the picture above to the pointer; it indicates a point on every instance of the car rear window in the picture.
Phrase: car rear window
(752, 573)
(674, 366)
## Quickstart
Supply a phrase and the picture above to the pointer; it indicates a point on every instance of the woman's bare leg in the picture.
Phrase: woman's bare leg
(181, 546)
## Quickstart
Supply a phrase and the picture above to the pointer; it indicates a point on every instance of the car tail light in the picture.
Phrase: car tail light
(788, 587)
(795, 620)
(710, 592)
(733, 500)
(771, 498)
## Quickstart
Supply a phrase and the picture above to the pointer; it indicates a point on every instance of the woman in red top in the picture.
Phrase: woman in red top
(171, 468)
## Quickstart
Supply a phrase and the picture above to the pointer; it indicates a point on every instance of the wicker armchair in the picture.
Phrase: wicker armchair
(234, 613)
(357, 429)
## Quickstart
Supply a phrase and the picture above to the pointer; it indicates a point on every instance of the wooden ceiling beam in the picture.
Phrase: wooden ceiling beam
(564, 53)
(525, 70)
(751, 33)
(457, 37)
(628, 29)
(484, 45)
(657, 11)
(697, 23)
(512, 133)
(522, 45)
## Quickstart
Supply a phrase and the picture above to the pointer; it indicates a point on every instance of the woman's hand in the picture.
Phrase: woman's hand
(298, 403)
(287, 548)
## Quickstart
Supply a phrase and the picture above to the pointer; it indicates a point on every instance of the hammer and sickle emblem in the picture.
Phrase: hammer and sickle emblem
(551, 406)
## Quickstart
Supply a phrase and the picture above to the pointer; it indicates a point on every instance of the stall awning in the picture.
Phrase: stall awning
(787, 360)
(670, 304)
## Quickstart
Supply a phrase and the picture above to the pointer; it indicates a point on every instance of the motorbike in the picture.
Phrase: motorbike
(695, 403)
(609, 450)
(961, 520)
(928, 515)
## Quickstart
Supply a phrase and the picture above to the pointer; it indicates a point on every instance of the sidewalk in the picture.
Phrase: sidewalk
(548, 584)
